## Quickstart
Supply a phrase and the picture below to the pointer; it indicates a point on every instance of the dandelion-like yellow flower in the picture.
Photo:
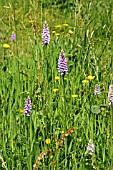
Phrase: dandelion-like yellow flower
(57, 78)
(55, 90)
(70, 32)
(58, 26)
(90, 77)
(21, 111)
(31, 21)
(57, 34)
(53, 32)
(74, 96)
(66, 25)
(84, 81)
(6, 46)
(48, 141)
(112, 137)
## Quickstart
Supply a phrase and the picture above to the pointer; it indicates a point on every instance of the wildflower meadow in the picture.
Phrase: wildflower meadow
(56, 85)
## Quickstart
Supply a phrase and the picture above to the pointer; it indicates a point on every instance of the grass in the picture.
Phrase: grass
(71, 116)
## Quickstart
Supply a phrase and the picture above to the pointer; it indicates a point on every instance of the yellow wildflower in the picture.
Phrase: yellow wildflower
(55, 90)
(102, 109)
(53, 32)
(70, 32)
(84, 81)
(6, 46)
(31, 21)
(90, 77)
(66, 25)
(48, 141)
(74, 95)
(58, 26)
(57, 78)
(21, 111)
(57, 34)
(112, 137)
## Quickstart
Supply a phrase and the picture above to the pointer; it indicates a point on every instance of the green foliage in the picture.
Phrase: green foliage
(95, 109)
(28, 68)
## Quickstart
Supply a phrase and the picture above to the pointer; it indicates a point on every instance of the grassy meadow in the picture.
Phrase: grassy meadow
(65, 112)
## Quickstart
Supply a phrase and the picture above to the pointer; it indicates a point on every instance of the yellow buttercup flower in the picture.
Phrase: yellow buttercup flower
(84, 81)
(53, 32)
(48, 141)
(57, 78)
(31, 21)
(58, 26)
(70, 32)
(74, 96)
(6, 46)
(21, 111)
(55, 90)
(90, 77)
(66, 25)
